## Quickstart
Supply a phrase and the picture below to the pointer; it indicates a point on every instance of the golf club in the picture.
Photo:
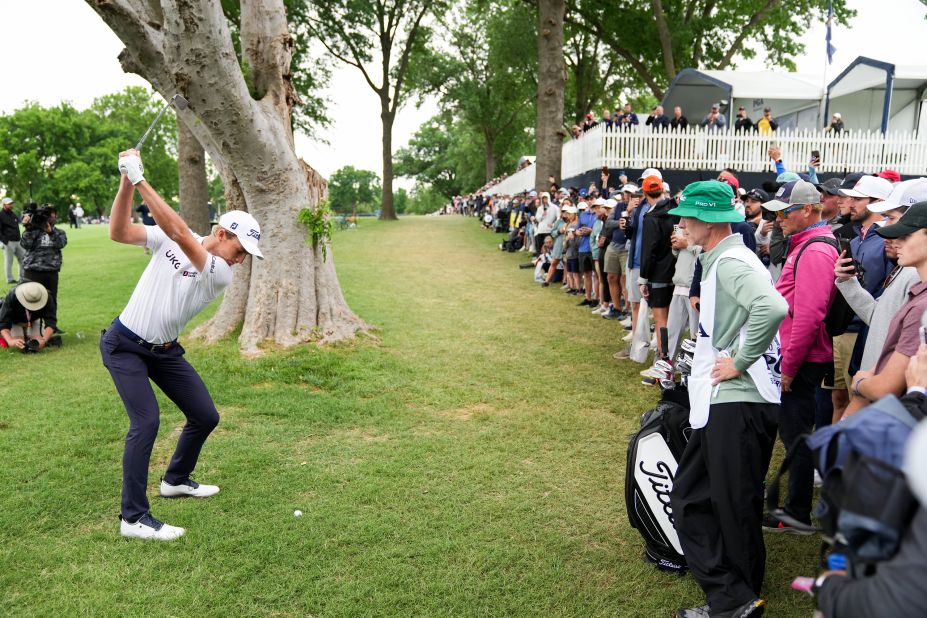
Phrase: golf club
(177, 101)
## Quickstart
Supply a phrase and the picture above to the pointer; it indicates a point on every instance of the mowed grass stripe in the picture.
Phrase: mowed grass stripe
(467, 460)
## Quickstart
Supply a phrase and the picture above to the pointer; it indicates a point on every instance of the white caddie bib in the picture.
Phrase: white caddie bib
(764, 372)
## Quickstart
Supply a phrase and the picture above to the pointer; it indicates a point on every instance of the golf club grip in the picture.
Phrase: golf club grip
(664, 341)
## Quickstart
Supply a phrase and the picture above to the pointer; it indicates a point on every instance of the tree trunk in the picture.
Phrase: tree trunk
(194, 187)
(387, 209)
(490, 142)
(293, 295)
(551, 86)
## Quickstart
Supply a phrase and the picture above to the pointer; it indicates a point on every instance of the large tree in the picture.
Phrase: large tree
(550, 92)
(351, 189)
(240, 109)
(655, 40)
(378, 38)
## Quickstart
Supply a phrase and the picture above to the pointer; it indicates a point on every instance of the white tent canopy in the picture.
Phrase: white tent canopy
(795, 98)
(874, 95)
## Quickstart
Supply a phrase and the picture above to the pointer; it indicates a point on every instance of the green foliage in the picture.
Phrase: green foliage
(425, 200)
(62, 155)
(318, 222)
(352, 190)
(400, 200)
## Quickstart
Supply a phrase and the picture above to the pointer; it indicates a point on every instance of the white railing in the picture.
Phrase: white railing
(520, 181)
(698, 149)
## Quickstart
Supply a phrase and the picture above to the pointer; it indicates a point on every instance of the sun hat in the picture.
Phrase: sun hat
(710, 201)
(830, 186)
(904, 195)
(7, 200)
(787, 177)
(31, 295)
(914, 219)
(791, 193)
(245, 227)
(869, 186)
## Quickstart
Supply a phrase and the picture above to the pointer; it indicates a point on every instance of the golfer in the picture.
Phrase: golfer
(186, 273)
(717, 495)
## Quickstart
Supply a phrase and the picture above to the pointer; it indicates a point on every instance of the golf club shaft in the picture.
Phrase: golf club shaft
(141, 142)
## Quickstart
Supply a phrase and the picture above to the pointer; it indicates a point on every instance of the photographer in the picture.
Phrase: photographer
(30, 312)
(42, 242)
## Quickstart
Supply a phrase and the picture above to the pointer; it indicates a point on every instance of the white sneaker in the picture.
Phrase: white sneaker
(149, 528)
(626, 322)
(188, 488)
(599, 310)
(628, 337)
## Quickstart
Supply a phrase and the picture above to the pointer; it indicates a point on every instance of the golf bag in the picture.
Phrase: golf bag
(653, 457)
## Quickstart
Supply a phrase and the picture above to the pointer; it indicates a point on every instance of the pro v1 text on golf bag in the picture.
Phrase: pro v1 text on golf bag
(653, 457)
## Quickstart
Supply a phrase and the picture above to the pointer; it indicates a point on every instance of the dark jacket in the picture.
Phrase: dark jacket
(43, 250)
(743, 124)
(9, 225)
(12, 312)
(660, 123)
(681, 123)
(657, 260)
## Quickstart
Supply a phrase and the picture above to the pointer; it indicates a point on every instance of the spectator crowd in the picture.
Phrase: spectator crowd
(824, 279)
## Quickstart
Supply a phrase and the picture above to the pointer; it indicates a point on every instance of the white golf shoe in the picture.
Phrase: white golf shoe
(188, 488)
(149, 528)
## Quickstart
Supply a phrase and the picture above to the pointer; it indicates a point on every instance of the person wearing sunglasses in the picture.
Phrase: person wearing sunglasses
(807, 351)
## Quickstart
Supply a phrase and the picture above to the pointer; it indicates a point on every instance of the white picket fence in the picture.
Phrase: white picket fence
(698, 149)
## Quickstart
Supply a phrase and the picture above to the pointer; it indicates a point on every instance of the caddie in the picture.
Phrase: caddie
(186, 273)
(717, 495)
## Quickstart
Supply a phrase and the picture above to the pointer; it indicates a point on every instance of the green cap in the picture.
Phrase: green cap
(915, 218)
(710, 201)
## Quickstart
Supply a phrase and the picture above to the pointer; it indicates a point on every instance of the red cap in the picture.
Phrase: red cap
(730, 179)
(890, 175)
(652, 183)
(588, 115)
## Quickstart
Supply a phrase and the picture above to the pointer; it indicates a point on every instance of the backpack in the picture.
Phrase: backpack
(839, 314)
(653, 456)
(865, 504)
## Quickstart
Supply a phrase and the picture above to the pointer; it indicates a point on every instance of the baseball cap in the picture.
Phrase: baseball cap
(791, 193)
(837, 115)
(652, 183)
(904, 195)
(630, 188)
(890, 175)
(650, 171)
(666, 187)
(869, 186)
(245, 227)
(710, 201)
(532, 193)
(715, 106)
(545, 194)
(31, 295)
(598, 201)
(830, 186)
(610, 203)
(911, 221)
(7, 200)
(584, 191)
(757, 194)
(730, 179)
(570, 209)
(787, 177)
(582, 205)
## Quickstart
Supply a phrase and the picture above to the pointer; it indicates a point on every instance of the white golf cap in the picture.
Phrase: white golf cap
(31, 295)
(544, 194)
(666, 187)
(904, 194)
(598, 202)
(582, 205)
(869, 186)
(610, 203)
(630, 188)
(791, 193)
(570, 209)
(245, 227)
(7, 200)
(651, 171)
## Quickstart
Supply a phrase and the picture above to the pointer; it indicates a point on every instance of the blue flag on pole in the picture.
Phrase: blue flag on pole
(830, 22)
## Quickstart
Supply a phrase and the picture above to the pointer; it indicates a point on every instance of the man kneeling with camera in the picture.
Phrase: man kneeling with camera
(28, 318)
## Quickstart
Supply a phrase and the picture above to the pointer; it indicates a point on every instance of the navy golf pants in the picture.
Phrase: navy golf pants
(131, 367)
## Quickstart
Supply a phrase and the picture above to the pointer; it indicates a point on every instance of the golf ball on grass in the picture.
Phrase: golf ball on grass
(297, 513)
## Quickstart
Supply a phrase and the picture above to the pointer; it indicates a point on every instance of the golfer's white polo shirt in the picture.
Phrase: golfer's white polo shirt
(172, 290)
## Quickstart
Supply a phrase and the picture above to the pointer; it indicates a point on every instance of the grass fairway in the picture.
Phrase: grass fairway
(468, 463)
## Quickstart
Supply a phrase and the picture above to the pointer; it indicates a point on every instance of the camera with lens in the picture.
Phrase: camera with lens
(39, 216)
(31, 346)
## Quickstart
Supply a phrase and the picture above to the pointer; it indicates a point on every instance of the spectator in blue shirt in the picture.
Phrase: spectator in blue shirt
(628, 118)
(587, 219)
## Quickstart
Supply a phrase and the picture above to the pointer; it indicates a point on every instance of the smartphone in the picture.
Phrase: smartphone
(605, 170)
(815, 156)
(676, 230)
(845, 247)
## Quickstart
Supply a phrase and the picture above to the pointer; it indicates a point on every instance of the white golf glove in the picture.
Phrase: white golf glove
(131, 166)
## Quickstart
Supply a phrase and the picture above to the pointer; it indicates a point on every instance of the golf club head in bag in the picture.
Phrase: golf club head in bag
(688, 345)
(178, 101)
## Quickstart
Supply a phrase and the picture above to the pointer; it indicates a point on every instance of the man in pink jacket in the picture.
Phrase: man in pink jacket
(807, 284)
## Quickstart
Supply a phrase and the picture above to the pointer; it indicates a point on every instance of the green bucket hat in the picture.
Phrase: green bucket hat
(710, 201)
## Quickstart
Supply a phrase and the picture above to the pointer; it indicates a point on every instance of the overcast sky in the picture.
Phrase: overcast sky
(55, 50)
